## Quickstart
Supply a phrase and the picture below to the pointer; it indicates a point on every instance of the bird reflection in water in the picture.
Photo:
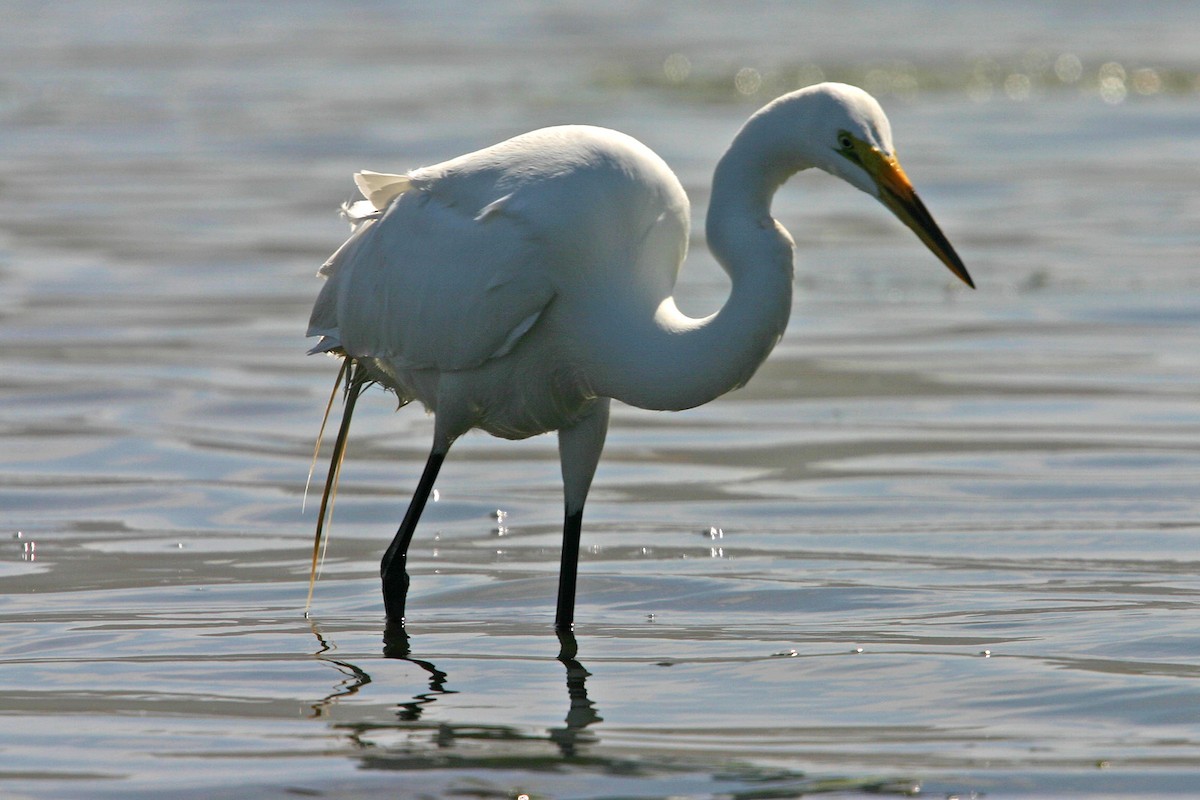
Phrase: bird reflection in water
(355, 677)
(568, 738)
(582, 711)
(396, 644)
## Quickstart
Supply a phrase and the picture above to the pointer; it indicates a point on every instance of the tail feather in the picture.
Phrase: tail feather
(354, 383)
(381, 188)
(312, 467)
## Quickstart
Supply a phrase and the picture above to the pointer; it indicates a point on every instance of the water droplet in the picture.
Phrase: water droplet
(435, 495)
(713, 533)
(500, 515)
(857, 650)
(785, 654)
(18, 535)
(985, 653)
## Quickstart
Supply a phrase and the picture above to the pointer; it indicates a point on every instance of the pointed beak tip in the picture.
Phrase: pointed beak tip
(956, 267)
(961, 273)
(897, 193)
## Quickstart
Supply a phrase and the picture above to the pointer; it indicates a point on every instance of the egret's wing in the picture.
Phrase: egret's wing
(431, 284)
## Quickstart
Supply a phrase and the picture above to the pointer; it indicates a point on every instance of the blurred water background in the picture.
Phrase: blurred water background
(945, 541)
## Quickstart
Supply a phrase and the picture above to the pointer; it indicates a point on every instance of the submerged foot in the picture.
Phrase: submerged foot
(396, 642)
(395, 593)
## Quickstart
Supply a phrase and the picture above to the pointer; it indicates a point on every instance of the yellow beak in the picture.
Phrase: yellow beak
(897, 193)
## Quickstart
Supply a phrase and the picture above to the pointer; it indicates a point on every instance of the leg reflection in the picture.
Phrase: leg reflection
(355, 679)
(396, 644)
(570, 739)
(582, 711)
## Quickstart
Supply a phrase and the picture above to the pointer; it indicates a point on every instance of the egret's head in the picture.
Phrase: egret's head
(846, 133)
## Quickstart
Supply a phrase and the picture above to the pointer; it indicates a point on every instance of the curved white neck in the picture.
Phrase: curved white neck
(678, 362)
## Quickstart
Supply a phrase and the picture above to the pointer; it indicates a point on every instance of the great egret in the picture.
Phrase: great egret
(519, 288)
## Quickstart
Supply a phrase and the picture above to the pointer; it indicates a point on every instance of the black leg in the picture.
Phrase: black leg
(579, 448)
(564, 619)
(392, 570)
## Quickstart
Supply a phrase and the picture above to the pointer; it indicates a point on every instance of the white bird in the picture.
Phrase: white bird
(519, 288)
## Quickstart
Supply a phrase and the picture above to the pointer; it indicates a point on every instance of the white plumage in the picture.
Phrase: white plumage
(517, 288)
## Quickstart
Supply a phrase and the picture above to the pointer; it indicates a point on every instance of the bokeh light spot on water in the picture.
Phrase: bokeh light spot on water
(808, 74)
(1146, 81)
(677, 67)
(1112, 82)
(747, 81)
(981, 85)
(983, 78)
(1112, 70)
(980, 89)
(904, 86)
(877, 81)
(1068, 68)
(1018, 86)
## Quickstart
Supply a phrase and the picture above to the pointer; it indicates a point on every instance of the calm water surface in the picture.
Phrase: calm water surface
(946, 541)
